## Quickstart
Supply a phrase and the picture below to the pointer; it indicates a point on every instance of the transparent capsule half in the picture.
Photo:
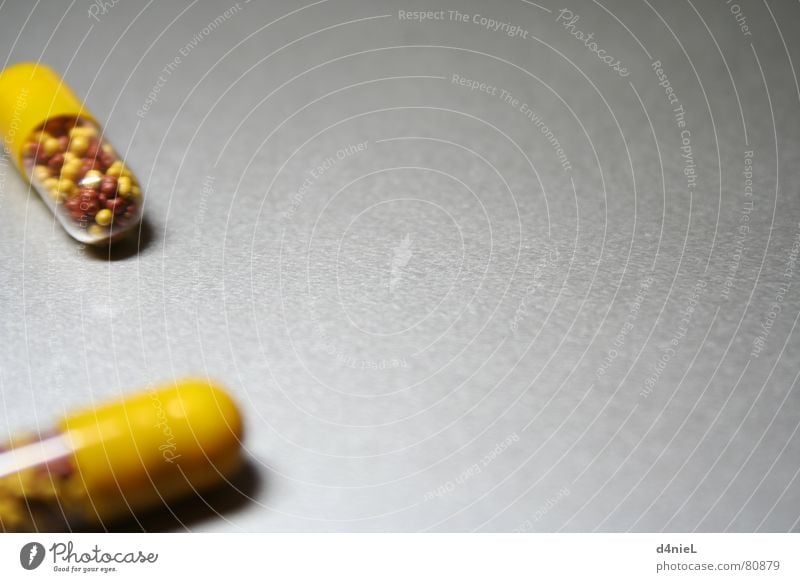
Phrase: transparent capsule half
(61, 149)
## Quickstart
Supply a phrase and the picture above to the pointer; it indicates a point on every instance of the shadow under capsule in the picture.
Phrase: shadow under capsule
(131, 245)
(225, 499)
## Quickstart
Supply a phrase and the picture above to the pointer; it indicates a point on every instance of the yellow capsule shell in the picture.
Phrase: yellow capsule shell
(30, 94)
(43, 124)
(153, 447)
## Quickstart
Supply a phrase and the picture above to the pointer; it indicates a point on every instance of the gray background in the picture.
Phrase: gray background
(418, 336)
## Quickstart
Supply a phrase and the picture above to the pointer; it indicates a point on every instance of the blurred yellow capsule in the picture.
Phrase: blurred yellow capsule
(122, 457)
(43, 122)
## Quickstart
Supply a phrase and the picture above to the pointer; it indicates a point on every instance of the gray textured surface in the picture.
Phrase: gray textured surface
(450, 288)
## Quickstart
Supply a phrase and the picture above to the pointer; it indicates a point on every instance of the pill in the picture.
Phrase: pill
(124, 186)
(49, 134)
(120, 458)
(103, 217)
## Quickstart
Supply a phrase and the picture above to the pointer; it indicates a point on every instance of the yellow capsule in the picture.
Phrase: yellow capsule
(122, 457)
(40, 118)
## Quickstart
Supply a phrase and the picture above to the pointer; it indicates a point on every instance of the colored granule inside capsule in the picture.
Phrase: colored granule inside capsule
(83, 174)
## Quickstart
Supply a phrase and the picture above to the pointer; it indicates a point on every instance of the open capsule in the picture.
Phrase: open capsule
(60, 148)
(120, 458)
